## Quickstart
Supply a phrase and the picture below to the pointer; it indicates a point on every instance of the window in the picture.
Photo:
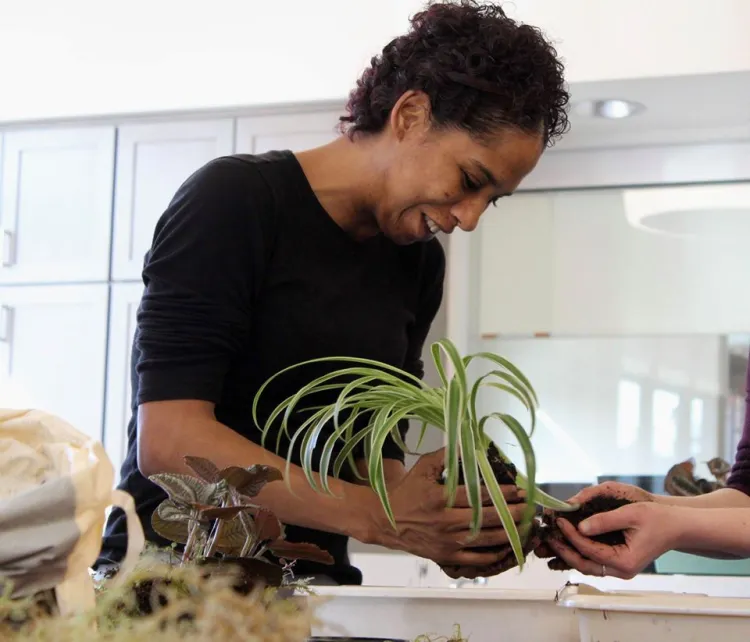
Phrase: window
(664, 416)
(696, 426)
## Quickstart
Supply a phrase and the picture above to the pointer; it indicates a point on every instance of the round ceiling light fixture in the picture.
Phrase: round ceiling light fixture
(610, 108)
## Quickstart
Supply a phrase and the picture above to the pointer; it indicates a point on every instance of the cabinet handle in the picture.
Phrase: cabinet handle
(6, 324)
(9, 249)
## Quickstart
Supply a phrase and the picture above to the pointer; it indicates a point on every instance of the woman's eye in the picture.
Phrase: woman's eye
(493, 201)
(469, 182)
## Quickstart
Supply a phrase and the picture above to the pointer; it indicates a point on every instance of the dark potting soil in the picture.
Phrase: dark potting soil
(599, 504)
(505, 472)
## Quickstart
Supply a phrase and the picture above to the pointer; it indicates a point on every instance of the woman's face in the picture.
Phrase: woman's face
(439, 180)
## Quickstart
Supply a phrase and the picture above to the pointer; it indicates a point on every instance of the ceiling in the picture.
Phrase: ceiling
(682, 109)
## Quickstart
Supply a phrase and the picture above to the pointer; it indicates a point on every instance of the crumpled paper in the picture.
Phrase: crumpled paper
(56, 485)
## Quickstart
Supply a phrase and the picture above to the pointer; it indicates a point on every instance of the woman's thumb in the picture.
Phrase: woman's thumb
(619, 519)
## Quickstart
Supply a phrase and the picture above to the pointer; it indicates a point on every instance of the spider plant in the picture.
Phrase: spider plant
(387, 395)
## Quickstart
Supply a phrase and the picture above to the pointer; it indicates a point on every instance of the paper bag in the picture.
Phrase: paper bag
(56, 485)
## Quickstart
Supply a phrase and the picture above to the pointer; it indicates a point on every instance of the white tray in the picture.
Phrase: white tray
(663, 617)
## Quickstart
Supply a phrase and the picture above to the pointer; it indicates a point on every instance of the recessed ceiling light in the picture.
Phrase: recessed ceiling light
(611, 108)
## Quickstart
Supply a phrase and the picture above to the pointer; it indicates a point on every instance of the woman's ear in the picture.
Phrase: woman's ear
(411, 116)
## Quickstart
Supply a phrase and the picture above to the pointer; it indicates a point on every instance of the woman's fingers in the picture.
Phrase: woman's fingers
(543, 551)
(512, 494)
(468, 557)
(620, 519)
(557, 564)
(574, 560)
(600, 553)
(485, 537)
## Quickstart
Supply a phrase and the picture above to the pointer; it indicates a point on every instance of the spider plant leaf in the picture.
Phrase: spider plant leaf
(362, 382)
(515, 388)
(453, 417)
(280, 409)
(399, 440)
(308, 424)
(204, 468)
(347, 455)
(472, 481)
(528, 452)
(422, 432)
(374, 369)
(310, 440)
(459, 368)
(437, 358)
(510, 367)
(543, 499)
(501, 506)
(328, 450)
(380, 429)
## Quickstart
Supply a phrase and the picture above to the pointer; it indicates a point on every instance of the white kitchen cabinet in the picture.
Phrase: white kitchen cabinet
(295, 132)
(153, 160)
(124, 301)
(52, 351)
(56, 204)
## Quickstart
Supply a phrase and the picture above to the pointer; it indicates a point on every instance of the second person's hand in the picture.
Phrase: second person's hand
(650, 530)
(427, 528)
(611, 489)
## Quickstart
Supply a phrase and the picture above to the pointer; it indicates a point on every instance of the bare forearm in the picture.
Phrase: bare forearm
(393, 470)
(724, 498)
(722, 533)
(293, 501)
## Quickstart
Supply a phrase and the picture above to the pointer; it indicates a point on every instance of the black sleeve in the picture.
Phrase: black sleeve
(432, 278)
(200, 275)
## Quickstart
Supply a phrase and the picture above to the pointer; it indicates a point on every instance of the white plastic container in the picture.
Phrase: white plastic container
(658, 617)
(484, 614)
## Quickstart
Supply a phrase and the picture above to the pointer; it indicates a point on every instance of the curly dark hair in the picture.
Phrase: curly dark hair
(480, 69)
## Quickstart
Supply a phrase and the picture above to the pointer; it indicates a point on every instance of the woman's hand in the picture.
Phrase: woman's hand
(507, 562)
(611, 489)
(429, 529)
(650, 530)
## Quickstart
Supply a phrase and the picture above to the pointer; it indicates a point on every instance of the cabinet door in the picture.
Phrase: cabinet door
(152, 162)
(56, 205)
(124, 301)
(296, 132)
(52, 351)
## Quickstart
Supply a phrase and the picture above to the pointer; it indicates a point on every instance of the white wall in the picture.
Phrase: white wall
(619, 39)
(85, 57)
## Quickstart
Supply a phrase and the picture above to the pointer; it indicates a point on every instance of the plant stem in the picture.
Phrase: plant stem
(187, 554)
(215, 535)
(217, 529)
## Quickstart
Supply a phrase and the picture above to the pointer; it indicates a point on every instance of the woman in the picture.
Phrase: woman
(264, 261)
(714, 525)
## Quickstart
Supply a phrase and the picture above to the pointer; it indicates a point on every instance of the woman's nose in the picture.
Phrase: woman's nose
(468, 212)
